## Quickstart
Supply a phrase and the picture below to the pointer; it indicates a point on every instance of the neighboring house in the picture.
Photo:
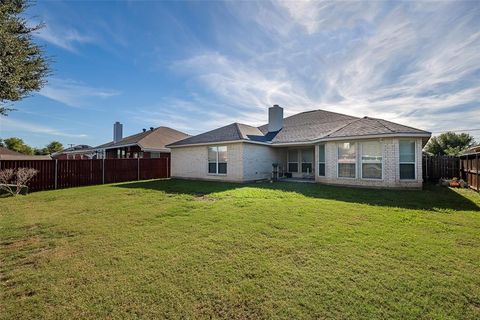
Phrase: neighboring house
(472, 150)
(146, 144)
(78, 152)
(325, 146)
(7, 154)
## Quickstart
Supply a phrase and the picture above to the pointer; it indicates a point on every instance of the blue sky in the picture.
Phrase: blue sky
(196, 66)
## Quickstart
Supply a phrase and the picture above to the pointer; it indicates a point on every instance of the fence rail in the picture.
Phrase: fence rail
(59, 174)
(470, 168)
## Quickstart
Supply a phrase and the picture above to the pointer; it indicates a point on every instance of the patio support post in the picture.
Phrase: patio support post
(56, 173)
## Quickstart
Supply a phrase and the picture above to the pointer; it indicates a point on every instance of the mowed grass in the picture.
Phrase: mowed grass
(182, 249)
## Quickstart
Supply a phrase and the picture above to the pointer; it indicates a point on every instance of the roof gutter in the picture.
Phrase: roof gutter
(120, 146)
(216, 143)
(310, 142)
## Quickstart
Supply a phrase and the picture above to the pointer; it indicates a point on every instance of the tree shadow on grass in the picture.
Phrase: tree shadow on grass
(430, 198)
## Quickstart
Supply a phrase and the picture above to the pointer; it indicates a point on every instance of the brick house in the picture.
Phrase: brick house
(146, 144)
(319, 145)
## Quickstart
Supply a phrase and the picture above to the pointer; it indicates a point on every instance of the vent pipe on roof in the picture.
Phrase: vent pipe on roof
(275, 118)
(117, 132)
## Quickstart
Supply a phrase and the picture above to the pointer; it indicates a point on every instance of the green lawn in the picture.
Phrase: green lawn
(179, 249)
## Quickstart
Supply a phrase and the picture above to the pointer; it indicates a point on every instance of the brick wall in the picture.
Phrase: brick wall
(391, 167)
(248, 162)
(258, 160)
(192, 163)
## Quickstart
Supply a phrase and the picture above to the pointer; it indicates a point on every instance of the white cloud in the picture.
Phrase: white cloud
(9, 124)
(63, 37)
(417, 64)
(74, 93)
(317, 16)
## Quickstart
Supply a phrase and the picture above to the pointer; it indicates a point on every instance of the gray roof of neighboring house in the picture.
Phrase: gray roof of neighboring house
(79, 148)
(7, 154)
(303, 127)
(154, 139)
(472, 150)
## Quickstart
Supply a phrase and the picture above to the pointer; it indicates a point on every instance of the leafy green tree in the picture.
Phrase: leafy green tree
(449, 143)
(40, 151)
(2, 144)
(17, 144)
(23, 67)
(54, 146)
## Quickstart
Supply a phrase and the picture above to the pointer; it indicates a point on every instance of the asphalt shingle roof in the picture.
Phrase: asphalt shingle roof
(7, 154)
(303, 127)
(231, 132)
(157, 138)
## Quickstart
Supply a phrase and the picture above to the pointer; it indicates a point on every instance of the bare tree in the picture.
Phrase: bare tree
(13, 181)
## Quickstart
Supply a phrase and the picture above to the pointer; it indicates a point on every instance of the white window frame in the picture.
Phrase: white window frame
(409, 162)
(216, 173)
(362, 162)
(324, 160)
(288, 161)
(311, 163)
(354, 161)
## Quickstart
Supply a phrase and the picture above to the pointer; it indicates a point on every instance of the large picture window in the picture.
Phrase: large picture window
(321, 160)
(293, 161)
(307, 161)
(372, 160)
(217, 160)
(347, 160)
(407, 159)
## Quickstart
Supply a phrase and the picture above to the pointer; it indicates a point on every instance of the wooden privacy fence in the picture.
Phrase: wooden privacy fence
(437, 167)
(470, 168)
(59, 174)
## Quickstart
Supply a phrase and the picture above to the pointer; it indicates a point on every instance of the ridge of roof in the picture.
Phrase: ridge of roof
(383, 120)
(380, 123)
(239, 132)
(341, 127)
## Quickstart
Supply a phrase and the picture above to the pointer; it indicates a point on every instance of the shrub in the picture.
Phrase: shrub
(13, 181)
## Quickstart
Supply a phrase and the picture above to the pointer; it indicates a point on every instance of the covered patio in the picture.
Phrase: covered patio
(297, 163)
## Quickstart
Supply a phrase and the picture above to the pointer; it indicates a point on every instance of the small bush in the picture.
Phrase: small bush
(13, 181)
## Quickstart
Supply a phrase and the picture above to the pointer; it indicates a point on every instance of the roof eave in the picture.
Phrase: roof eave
(120, 146)
(171, 146)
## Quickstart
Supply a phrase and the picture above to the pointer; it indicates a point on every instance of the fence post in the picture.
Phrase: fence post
(138, 168)
(476, 166)
(56, 173)
(103, 170)
(426, 168)
(168, 168)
